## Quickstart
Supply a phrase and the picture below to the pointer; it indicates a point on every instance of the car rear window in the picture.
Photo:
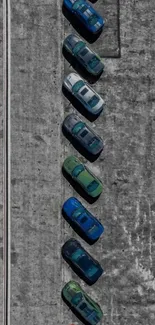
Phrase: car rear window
(92, 271)
(92, 186)
(93, 19)
(93, 101)
(94, 142)
(94, 62)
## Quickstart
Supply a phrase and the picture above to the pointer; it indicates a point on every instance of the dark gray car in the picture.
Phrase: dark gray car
(84, 55)
(82, 133)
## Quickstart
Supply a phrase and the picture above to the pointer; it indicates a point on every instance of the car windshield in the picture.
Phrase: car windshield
(94, 62)
(76, 3)
(76, 255)
(93, 101)
(76, 299)
(93, 19)
(78, 85)
(92, 186)
(77, 127)
(77, 212)
(82, 259)
(83, 8)
(77, 170)
(78, 47)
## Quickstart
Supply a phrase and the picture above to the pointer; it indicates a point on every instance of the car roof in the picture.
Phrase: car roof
(86, 95)
(85, 177)
(86, 56)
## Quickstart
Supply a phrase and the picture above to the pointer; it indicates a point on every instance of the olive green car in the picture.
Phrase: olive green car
(83, 176)
(80, 302)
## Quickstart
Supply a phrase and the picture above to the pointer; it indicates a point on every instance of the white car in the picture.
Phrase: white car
(84, 93)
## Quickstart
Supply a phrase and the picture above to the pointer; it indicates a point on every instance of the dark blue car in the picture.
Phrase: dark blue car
(83, 219)
(81, 261)
(86, 14)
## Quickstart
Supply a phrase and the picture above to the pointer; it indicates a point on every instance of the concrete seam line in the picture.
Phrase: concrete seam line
(6, 160)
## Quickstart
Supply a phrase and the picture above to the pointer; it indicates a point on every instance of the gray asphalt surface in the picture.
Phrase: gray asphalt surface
(126, 292)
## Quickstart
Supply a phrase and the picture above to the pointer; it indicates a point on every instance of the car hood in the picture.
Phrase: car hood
(70, 121)
(71, 40)
(71, 205)
(71, 79)
(70, 163)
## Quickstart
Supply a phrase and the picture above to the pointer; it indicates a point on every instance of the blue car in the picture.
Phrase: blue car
(81, 261)
(79, 216)
(86, 14)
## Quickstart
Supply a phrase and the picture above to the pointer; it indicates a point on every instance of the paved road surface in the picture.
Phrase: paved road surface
(126, 292)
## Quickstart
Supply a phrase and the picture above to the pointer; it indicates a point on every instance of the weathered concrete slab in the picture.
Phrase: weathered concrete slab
(127, 290)
(1, 164)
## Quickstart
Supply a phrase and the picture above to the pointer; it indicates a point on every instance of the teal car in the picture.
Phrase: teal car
(83, 304)
(83, 176)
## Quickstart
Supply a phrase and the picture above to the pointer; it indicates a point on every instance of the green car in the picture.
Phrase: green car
(88, 309)
(83, 176)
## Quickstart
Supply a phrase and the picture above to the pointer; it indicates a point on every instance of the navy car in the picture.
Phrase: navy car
(81, 261)
(86, 15)
(88, 59)
(83, 134)
(79, 216)
(87, 96)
